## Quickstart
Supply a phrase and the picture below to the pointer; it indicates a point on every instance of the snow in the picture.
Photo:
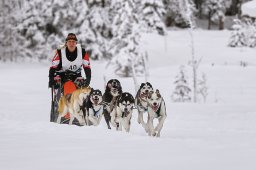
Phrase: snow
(249, 8)
(219, 134)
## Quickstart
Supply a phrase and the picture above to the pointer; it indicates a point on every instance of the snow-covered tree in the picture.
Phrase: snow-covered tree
(182, 91)
(243, 34)
(251, 34)
(98, 31)
(215, 9)
(175, 13)
(238, 38)
(202, 89)
(125, 44)
(44, 25)
(151, 15)
(9, 20)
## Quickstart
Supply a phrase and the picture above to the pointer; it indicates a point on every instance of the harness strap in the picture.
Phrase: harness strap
(96, 112)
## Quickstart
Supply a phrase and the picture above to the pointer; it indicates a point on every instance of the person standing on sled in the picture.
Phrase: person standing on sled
(65, 72)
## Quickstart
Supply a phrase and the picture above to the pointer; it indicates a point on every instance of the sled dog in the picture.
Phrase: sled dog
(94, 108)
(121, 115)
(112, 92)
(141, 102)
(72, 103)
(156, 110)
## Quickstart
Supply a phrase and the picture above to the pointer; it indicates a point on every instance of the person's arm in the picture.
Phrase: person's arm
(54, 66)
(87, 67)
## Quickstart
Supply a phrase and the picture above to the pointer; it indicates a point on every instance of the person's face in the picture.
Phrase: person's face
(71, 44)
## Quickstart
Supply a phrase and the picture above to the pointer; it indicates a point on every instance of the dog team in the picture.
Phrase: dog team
(88, 105)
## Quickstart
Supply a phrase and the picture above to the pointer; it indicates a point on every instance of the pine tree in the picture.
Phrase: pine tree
(175, 13)
(202, 87)
(124, 46)
(215, 9)
(98, 31)
(182, 90)
(238, 38)
(9, 19)
(151, 16)
(251, 34)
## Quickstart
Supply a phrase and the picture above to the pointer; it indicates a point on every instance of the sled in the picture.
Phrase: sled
(63, 88)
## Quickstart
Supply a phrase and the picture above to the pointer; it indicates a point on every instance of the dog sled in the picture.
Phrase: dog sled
(65, 83)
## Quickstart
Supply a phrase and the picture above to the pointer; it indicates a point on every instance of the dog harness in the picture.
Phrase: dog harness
(96, 112)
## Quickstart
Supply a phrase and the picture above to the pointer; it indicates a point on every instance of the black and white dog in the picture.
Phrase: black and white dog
(112, 92)
(94, 108)
(121, 115)
(141, 102)
(156, 110)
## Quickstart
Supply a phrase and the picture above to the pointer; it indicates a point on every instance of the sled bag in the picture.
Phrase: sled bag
(69, 87)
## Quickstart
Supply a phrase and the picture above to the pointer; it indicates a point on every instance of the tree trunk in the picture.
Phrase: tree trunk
(209, 21)
(221, 23)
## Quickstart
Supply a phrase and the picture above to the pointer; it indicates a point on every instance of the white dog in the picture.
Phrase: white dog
(142, 104)
(72, 103)
(156, 110)
(122, 113)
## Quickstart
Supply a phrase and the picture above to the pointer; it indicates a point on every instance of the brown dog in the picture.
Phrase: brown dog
(72, 103)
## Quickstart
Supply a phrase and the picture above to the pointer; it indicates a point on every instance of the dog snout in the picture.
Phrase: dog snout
(155, 104)
(114, 84)
(126, 109)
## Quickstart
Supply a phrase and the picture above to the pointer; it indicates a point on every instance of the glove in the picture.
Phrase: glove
(87, 83)
(51, 83)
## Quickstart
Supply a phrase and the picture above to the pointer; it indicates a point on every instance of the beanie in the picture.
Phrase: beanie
(71, 36)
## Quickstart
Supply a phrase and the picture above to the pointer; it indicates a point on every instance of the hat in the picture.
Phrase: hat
(71, 36)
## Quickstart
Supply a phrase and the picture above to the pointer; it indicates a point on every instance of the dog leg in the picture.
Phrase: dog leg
(119, 126)
(71, 119)
(107, 118)
(87, 120)
(151, 131)
(59, 118)
(126, 124)
(113, 117)
(93, 120)
(140, 117)
(145, 125)
(65, 110)
(160, 125)
(80, 118)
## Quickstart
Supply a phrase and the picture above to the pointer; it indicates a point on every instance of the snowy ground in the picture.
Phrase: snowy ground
(217, 135)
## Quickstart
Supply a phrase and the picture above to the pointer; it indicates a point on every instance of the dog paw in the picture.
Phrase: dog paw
(154, 134)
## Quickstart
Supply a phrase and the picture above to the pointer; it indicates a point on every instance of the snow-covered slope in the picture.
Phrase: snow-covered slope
(219, 134)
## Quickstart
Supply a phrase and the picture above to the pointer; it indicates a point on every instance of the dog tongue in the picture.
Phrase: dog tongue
(143, 95)
(155, 107)
(95, 102)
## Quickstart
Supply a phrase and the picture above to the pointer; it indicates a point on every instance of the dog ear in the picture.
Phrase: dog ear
(158, 93)
(91, 91)
(150, 94)
(141, 85)
(149, 84)
(100, 93)
(109, 85)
